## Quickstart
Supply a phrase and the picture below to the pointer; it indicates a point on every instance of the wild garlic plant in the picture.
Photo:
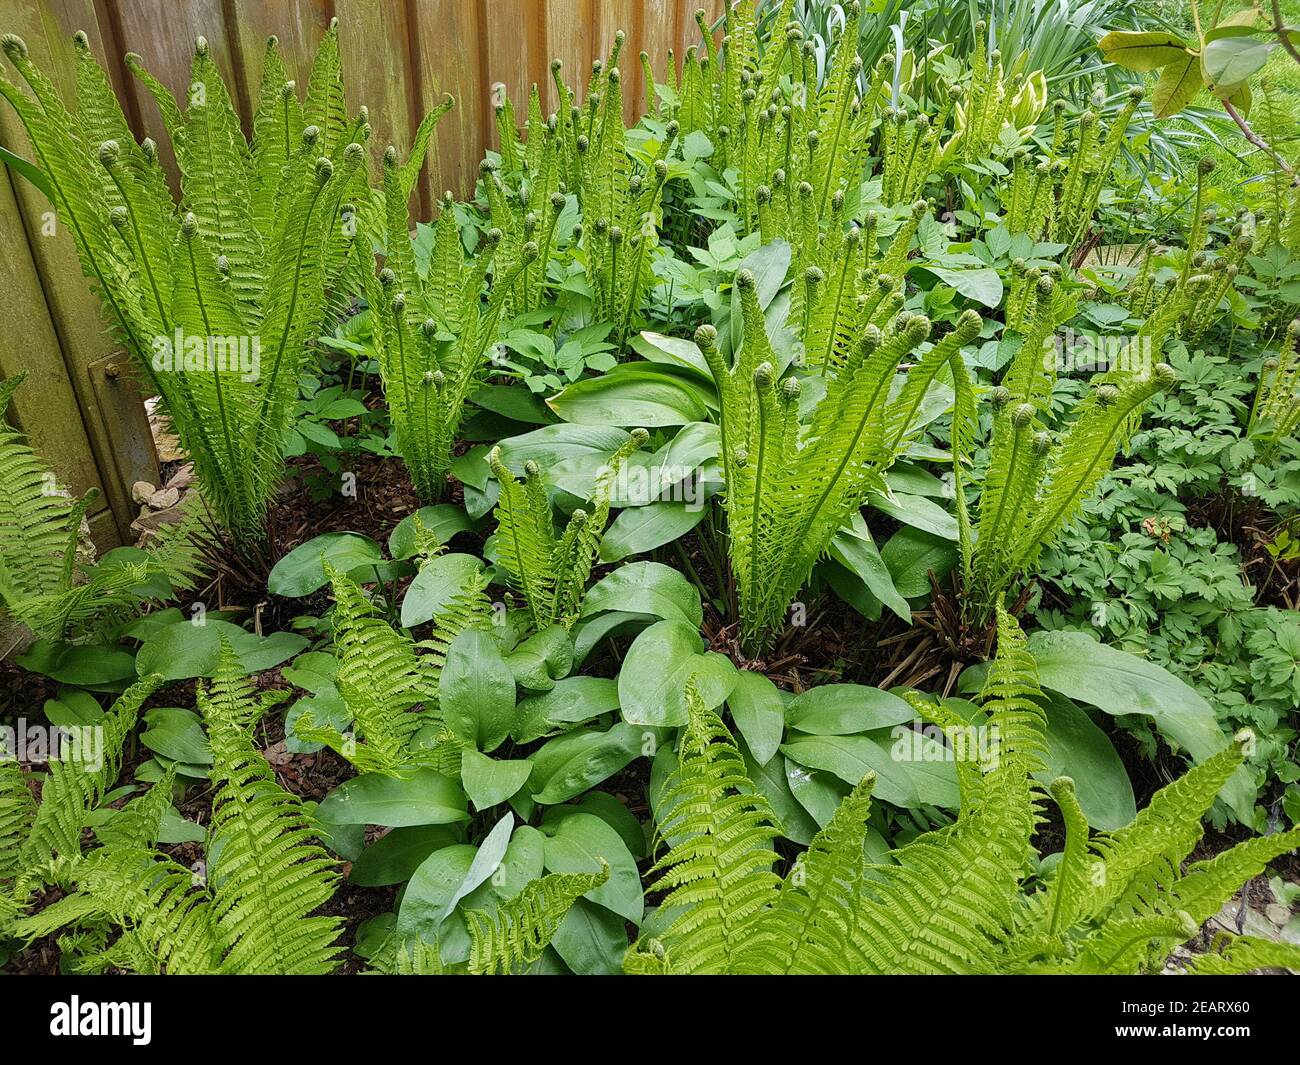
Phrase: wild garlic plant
(218, 296)
(955, 900)
(791, 483)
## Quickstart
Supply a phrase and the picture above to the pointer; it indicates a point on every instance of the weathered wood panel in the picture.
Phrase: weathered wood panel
(399, 56)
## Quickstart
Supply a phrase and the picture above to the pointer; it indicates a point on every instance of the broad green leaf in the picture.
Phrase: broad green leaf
(553, 444)
(640, 529)
(672, 351)
(1143, 51)
(444, 521)
(647, 588)
(437, 585)
(85, 665)
(423, 797)
(983, 286)
(918, 512)
(900, 779)
(176, 734)
(1080, 668)
(577, 844)
(394, 857)
(817, 792)
(845, 709)
(568, 765)
(183, 650)
(302, 570)
(1229, 61)
(1178, 85)
(912, 554)
(759, 713)
(854, 549)
(572, 701)
(476, 692)
(592, 940)
(489, 781)
(631, 398)
(652, 682)
(1078, 749)
(490, 853)
(542, 659)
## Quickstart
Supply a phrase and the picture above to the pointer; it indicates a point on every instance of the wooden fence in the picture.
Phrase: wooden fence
(400, 57)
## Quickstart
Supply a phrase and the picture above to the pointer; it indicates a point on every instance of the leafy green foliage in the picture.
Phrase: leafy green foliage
(791, 487)
(549, 571)
(48, 582)
(434, 337)
(266, 876)
(249, 255)
(955, 900)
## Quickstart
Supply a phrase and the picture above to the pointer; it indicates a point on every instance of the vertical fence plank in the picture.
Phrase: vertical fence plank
(660, 31)
(450, 58)
(84, 349)
(516, 52)
(570, 36)
(373, 36)
(45, 407)
(612, 16)
(299, 26)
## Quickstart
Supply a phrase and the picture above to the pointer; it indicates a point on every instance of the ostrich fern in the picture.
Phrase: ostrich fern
(953, 900)
(389, 683)
(47, 584)
(1276, 411)
(265, 878)
(433, 337)
(1034, 485)
(41, 841)
(216, 297)
(550, 571)
(790, 487)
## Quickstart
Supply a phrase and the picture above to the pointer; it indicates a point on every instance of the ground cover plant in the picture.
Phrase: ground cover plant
(798, 532)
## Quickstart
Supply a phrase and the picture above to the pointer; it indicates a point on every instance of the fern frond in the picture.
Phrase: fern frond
(383, 683)
(810, 928)
(719, 872)
(1246, 954)
(267, 875)
(514, 937)
(72, 789)
(161, 904)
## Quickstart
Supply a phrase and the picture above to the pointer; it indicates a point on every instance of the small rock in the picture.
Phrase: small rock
(164, 498)
(152, 520)
(141, 491)
(182, 478)
(1278, 914)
